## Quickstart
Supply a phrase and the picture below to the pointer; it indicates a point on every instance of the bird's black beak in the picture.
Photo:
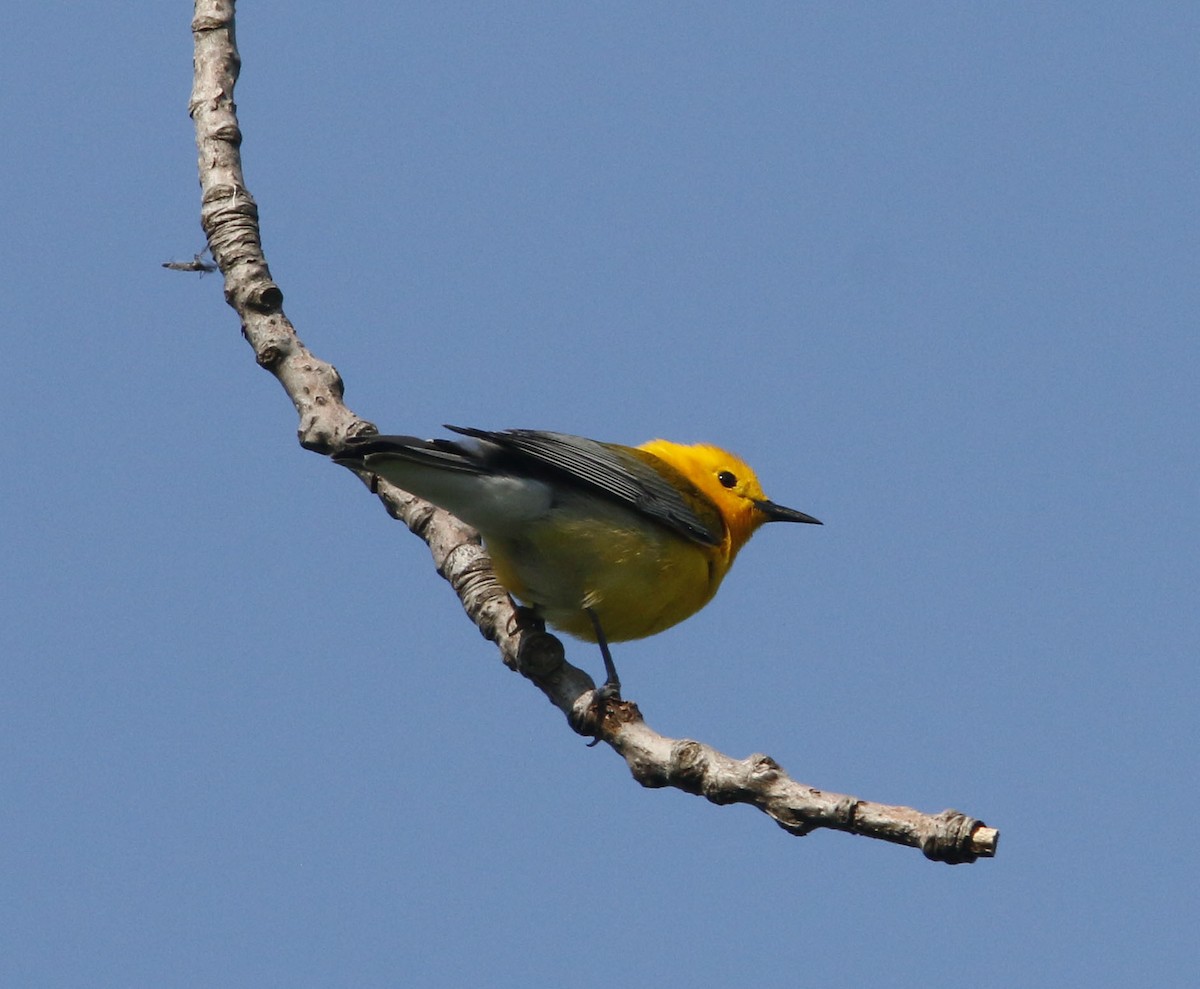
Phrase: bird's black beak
(777, 513)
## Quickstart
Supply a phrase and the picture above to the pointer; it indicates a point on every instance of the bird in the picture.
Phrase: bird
(602, 541)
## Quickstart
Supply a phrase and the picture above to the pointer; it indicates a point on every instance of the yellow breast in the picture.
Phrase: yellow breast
(637, 576)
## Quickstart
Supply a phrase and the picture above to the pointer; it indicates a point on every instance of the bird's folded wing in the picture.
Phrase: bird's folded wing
(660, 492)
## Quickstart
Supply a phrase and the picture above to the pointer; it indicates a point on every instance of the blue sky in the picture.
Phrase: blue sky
(930, 268)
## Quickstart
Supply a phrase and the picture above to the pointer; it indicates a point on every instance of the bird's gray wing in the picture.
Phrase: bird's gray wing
(659, 492)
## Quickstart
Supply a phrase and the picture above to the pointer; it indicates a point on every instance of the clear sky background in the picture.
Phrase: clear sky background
(931, 268)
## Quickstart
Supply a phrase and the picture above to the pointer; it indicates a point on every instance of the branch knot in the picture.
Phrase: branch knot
(949, 838)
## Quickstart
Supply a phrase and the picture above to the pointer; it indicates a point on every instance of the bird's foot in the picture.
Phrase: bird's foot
(525, 619)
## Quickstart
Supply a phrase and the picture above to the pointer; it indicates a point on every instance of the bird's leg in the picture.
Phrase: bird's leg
(611, 690)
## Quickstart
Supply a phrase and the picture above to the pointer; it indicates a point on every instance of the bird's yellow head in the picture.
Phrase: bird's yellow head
(729, 483)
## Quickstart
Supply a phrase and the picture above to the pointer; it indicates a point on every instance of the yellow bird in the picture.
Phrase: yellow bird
(603, 541)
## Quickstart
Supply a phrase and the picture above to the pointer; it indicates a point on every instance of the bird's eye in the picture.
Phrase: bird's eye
(727, 479)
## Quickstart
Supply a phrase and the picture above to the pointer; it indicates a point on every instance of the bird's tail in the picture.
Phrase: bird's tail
(438, 454)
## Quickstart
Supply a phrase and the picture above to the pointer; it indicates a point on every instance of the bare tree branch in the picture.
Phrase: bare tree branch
(197, 264)
(229, 217)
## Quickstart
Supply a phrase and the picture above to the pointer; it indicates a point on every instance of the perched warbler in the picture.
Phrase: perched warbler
(602, 541)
